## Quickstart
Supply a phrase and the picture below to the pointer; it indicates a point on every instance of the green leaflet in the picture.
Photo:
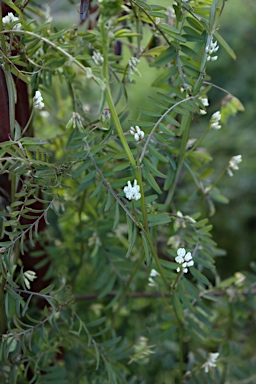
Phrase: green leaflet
(225, 45)
(152, 169)
(178, 307)
(199, 276)
(86, 181)
(148, 176)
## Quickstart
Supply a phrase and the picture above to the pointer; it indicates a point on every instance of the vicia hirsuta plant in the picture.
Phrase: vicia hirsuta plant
(126, 195)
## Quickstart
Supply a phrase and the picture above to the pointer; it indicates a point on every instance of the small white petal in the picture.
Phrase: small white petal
(179, 259)
(181, 252)
(151, 282)
(188, 256)
(137, 196)
(216, 116)
(190, 263)
(154, 273)
(204, 101)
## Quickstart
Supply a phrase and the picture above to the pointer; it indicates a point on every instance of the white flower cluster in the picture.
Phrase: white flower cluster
(132, 64)
(233, 164)
(38, 100)
(215, 120)
(184, 259)
(29, 276)
(151, 281)
(98, 58)
(137, 133)
(210, 362)
(205, 102)
(10, 18)
(132, 193)
(212, 48)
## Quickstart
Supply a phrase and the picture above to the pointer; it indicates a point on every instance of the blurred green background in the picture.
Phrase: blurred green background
(234, 223)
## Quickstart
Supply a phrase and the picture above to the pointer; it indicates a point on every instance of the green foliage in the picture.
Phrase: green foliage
(119, 308)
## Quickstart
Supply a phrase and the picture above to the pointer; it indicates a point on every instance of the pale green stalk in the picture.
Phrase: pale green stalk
(132, 161)
(185, 123)
(119, 129)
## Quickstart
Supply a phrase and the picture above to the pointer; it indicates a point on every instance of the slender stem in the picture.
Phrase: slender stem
(156, 258)
(119, 129)
(110, 189)
(8, 79)
(218, 179)
(153, 22)
(229, 335)
(87, 70)
(127, 285)
(138, 30)
(185, 123)
(199, 141)
(2, 38)
(2, 307)
(159, 121)
(28, 123)
(217, 87)
(181, 353)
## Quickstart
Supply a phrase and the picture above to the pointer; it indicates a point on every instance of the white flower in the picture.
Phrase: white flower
(204, 101)
(181, 253)
(132, 192)
(213, 47)
(29, 276)
(38, 100)
(233, 164)
(215, 120)
(210, 49)
(97, 58)
(210, 362)
(188, 256)
(154, 273)
(137, 133)
(10, 18)
(184, 259)
(151, 281)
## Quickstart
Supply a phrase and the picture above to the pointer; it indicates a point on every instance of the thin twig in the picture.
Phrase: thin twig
(159, 121)
(108, 186)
